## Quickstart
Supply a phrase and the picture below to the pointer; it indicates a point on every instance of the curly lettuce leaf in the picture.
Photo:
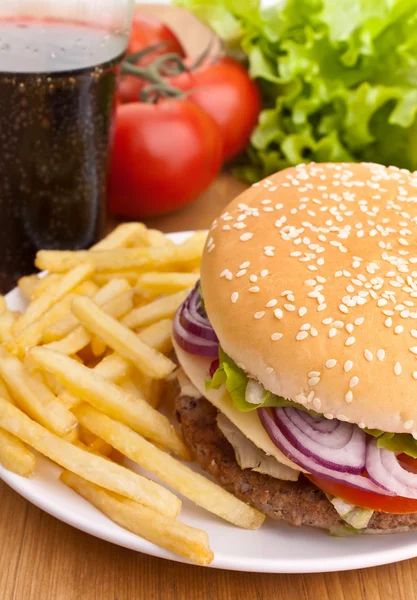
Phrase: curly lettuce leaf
(338, 79)
(236, 380)
(395, 442)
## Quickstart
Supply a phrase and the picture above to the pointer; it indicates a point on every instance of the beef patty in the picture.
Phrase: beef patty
(297, 503)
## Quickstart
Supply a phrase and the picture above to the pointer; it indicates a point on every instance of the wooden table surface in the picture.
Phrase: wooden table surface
(44, 559)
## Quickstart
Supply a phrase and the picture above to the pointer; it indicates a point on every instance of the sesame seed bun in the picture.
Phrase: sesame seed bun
(310, 281)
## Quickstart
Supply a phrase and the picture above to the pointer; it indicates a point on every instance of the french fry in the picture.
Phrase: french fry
(161, 308)
(14, 456)
(108, 397)
(71, 343)
(34, 397)
(113, 367)
(63, 327)
(158, 335)
(93, 468)
(98, 347)
(150, 389)
(27, 284)
(197, 488)
(126, 234)
(91, 441)
(79, 338)
(121, 339)
(32, 334)
(122, 259)
(130, 388)
(44, 283)
(169, 533)
(157, 238)
(167, 283)
(105, 277)
(52, 295)
(7, 320)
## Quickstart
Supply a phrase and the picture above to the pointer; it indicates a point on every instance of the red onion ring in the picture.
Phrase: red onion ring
(385, 469)
(341, 448)
(192, 330)
(311, 465)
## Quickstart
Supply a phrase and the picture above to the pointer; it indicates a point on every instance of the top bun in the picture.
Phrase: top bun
(310, 282)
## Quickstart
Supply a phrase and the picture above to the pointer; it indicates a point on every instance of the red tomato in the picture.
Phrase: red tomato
(390, 504)
(224, 90)
(164, 156)
(147, 30)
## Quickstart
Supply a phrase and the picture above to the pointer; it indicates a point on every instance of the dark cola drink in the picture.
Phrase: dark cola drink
(57, 82)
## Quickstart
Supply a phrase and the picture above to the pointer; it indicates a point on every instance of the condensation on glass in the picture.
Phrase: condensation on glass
(58, 66)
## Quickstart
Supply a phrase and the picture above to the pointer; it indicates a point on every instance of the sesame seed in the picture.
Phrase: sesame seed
(388, 322)
(313, 381)
(254, 289)
(397, 368)
(368, 355)
(264, 272)
(414, 374)
(321, 307)
(380, 354)
(349, 327)
(408, 424)
(354, 381)
(332, 362)
(305, 327)
(349, 397)
(413, 333)
(241, 273)
(327, 321)
(253, 278)
(234, 297)
(332, 332)
(314, 374)
(259, 314)
(227, 274)
(413, 349)
(302, 311)
(301, 335)
(351, 340)
(359, 321)
(271, 303)
(398, 329)
(269, 370)
(278, 313)
(348, 366)
(289, 307)
(314, 332)
(276, 336)
(246, 236)
(343, 308)
(317, 403)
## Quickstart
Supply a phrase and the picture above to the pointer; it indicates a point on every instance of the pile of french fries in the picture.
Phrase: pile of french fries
(82, 374)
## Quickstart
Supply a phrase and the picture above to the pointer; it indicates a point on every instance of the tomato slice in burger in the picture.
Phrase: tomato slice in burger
(390, 504)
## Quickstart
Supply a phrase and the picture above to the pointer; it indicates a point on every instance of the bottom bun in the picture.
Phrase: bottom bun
(297, 503)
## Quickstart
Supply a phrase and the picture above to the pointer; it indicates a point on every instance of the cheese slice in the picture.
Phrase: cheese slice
(197, 370)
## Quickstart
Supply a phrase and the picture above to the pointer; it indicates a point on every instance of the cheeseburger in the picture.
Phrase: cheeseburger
(298, 349)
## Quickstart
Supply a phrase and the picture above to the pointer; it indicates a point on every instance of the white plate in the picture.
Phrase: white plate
(275, 548)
